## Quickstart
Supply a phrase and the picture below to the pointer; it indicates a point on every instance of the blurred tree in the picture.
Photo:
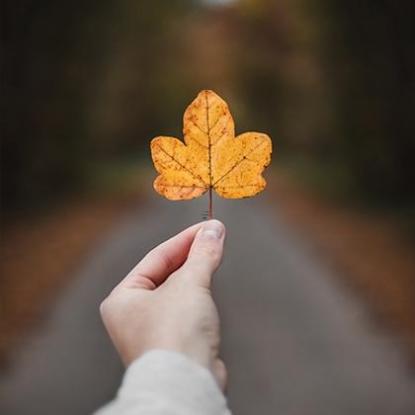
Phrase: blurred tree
(141, 87)
(279, 72)
(49, 53)
(81, 81)
(335, 81)
(371, 66)
(85, 81)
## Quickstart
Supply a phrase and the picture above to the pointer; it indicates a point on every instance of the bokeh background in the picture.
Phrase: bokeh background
(85, 85)
(88, 82)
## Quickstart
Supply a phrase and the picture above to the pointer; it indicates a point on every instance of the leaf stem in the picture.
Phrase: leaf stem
(210, 210)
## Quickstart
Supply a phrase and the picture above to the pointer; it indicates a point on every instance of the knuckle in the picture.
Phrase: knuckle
(104, 306)
(160, 255)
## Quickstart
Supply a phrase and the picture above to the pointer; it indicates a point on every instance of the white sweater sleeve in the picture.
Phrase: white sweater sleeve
(167, 383)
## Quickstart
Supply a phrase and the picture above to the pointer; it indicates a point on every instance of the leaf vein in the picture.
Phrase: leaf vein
(198, 127)
(184, 187)
(215, 123)
(182, 165)
(244, 158)
(240, 186)
(197, 142)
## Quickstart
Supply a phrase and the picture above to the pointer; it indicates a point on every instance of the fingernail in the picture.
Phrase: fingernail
(212, 229)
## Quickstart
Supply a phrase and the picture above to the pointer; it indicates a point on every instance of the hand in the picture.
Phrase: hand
(165, 302)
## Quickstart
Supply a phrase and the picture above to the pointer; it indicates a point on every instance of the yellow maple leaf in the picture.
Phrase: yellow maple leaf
(211, 157)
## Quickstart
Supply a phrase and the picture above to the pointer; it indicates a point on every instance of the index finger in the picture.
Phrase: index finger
(161, 261)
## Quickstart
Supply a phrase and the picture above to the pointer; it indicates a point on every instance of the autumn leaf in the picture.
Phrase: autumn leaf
(211, 157)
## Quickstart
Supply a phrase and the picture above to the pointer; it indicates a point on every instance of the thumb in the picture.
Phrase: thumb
(205, 253)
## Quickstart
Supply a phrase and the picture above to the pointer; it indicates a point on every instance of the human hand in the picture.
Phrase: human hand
(165, 302)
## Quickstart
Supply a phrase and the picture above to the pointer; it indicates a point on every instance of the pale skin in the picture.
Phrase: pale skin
(165, 302)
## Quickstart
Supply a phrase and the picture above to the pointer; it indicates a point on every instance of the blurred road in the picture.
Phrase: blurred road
(294, 340)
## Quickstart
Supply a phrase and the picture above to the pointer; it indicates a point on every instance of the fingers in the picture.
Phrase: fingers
(159, 263)
(220, 373)
(205, 253)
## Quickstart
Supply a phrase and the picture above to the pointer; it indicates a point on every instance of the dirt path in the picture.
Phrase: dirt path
(294, 342)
